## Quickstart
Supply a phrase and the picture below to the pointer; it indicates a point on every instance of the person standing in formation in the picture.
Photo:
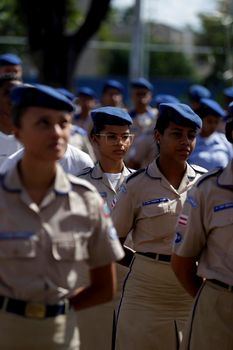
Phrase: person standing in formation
(111, 138)
(58, 244)
(154, 307)
(203, 257)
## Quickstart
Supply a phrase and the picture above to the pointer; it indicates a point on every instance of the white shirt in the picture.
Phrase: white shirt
(8, 146)
(73, 162)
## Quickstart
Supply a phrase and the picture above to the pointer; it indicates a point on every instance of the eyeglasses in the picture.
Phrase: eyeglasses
(113, 139)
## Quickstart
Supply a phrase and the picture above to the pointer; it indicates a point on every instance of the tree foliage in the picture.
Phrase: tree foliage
(217, 34)
(57, 33)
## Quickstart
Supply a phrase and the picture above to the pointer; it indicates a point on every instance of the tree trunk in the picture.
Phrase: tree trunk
(54, 52)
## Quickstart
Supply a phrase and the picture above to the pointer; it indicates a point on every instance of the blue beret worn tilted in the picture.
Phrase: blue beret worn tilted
(141, 83)
(212, 107)
(113, 84)
(179, 112)
(86, 91)
(10, 59)
(111, 115)
(196, 92)
(40, 96)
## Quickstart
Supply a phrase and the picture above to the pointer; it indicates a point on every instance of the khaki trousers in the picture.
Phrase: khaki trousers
(153, 309)
(210, 324)
(95, 324)
(55, 333)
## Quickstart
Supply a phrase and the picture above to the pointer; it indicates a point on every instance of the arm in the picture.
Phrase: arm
(185, 269)
(129, 253)
(101, 290)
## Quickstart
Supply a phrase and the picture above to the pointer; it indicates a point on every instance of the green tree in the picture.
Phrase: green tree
(57, 35)
(116, 61)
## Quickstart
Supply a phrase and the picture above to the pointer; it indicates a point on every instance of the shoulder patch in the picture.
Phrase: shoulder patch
(209, 174)
(85, 171)
(136, 173)
(199, 169)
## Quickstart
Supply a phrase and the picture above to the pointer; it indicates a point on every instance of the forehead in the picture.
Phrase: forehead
(211, 118)
(140, 91)
(36, 112)
(116, 128)
(112, 91)
(174, 126)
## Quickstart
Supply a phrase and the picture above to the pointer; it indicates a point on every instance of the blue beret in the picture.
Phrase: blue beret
(228, 92)
(86, 91)
(196, 92)
(164, 98)
(113, 84)
(9, 59)
(141, 83)
(40, 96)
(209, 106)
(179, 112)
(67, 93)
(111, 116)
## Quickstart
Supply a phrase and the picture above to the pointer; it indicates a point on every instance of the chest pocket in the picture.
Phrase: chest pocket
(70, 247)
(155, 210)
(12, 247)
(222, 218)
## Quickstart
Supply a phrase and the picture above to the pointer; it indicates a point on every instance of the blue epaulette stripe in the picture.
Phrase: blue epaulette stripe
(135, 174)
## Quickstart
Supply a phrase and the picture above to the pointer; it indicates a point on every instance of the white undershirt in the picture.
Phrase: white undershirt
(113, 178)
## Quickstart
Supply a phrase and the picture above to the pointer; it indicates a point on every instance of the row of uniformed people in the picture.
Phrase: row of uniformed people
(121, 137)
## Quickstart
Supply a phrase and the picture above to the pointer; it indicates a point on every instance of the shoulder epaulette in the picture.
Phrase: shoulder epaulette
(199, 169)
(136, 173)
(85, 171)
(208, 175)
(74, 180)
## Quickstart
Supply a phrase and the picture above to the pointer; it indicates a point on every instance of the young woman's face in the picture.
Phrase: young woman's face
(113, 141)
(209, 125)
(177, 142)
(44, 132)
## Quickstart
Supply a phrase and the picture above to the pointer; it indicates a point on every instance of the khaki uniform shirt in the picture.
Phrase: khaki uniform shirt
(205, 227)
(98, 178)
(46, 251)
(149, 206)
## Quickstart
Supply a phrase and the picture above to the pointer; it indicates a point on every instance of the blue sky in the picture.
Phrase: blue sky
(178, 13)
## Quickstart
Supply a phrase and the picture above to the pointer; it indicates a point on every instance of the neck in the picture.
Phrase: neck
(37, 177)
(141, 109)
(172, 170)
(111, 167)
(84, 114)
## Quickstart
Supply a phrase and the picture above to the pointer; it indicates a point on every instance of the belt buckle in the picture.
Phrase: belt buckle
(35, 310)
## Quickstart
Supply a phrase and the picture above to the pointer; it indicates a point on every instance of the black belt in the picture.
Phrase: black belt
(33, 309)
(155, 256)
(222, 284)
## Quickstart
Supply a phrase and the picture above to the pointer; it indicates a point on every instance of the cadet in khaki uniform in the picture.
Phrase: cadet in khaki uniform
(111, 138)
(204, 234)
(57, 240)
(154, 307)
